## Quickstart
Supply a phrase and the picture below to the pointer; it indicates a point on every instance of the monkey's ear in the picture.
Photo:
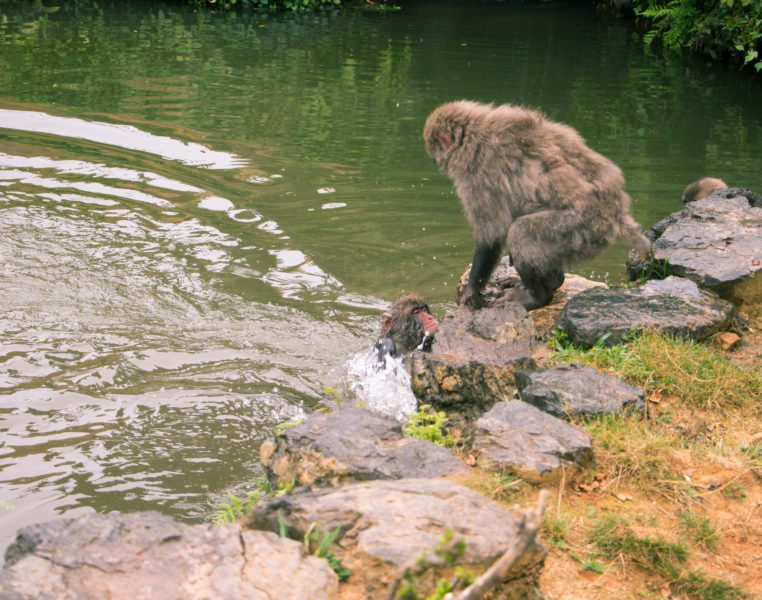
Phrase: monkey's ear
(444, 139)
(386, 322)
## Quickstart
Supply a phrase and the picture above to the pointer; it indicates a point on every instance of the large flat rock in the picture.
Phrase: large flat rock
(673, 306)
(716, 242)
(149, 556)
(516, 437)
(474, 359)
(387, 525)
(353, 444)
(574, 390)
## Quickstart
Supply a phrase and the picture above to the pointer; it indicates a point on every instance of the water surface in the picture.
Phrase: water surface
(202, 214)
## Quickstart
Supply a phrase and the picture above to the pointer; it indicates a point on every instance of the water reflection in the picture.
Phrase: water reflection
(124, 136)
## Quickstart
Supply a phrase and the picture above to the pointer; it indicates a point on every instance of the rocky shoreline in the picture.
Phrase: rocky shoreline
(392, 499)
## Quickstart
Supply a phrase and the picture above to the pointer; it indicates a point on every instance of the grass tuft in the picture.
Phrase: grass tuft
(613, 538)
(700, 530)
(631, 446)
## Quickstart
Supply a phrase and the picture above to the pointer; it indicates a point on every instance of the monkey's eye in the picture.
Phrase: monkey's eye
(423, 307)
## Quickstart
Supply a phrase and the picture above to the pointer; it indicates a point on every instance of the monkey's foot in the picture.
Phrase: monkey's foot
(519, 293)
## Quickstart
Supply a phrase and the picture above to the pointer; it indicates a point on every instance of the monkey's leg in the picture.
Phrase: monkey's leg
(540, 244)
(486, 257)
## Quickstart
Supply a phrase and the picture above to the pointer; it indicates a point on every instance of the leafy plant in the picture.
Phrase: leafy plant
(447, 553)
(429, 425)
(236, 507)
(715, 27)
(318, 541)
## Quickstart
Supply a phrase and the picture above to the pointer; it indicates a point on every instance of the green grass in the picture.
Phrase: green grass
(700, 530)
(613, 538)
(699, 375)
(555, 530)
(697, 586)
(633, 447)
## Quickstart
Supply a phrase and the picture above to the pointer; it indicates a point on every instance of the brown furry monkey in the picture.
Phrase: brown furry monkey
(532, 183)
(701, 188)
(408, 324)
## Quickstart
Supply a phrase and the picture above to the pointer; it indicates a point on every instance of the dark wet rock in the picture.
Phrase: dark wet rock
(387, 525)
(505, 276)
(544, 319)
(474, 359)
(149, 555)
(673, 306)
(517, 437)
(716, 242)
(353, 444)
(574, 390)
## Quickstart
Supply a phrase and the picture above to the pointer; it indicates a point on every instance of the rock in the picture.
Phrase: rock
(148, 555)
(573, 390)
(517, 437)
(673, 306)
(505, 276)
(473, 361)
(716, 242)
(544, 319)
(354, 444)
(387, 525)
(726, 341)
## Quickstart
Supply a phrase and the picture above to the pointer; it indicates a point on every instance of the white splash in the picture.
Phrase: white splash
(383, 388)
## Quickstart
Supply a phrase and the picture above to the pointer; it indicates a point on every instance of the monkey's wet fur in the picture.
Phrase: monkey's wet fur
(533, 184)
(407, 325)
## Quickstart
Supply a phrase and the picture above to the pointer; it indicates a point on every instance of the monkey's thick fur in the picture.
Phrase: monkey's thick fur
(533, 183)
(701, 188)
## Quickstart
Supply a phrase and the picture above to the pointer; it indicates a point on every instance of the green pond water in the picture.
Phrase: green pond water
(202, 214)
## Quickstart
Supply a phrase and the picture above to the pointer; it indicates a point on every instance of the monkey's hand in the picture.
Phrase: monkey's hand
(471, 297)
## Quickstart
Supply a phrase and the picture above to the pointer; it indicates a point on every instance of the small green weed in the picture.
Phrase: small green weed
(613, 538)
(734, 492)
(447, 553)
(700, 530)
(555, 529)
(236, 507)
(429, 425)
(501, 486)
(281, 427)
(317, 542)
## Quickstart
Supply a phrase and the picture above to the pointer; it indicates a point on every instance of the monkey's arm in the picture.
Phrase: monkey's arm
(486, 257)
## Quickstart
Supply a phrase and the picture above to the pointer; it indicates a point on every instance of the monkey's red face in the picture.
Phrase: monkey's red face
(426, 320)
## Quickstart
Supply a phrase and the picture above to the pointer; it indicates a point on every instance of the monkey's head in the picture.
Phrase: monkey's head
(408, 324)
(446, 128)
(701, 188)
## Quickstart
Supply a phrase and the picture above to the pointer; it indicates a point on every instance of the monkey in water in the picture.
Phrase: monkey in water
(533, 184)
(408, 324)
(701, 188)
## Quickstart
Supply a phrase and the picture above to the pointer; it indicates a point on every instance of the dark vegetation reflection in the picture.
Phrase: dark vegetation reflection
(201, 213)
